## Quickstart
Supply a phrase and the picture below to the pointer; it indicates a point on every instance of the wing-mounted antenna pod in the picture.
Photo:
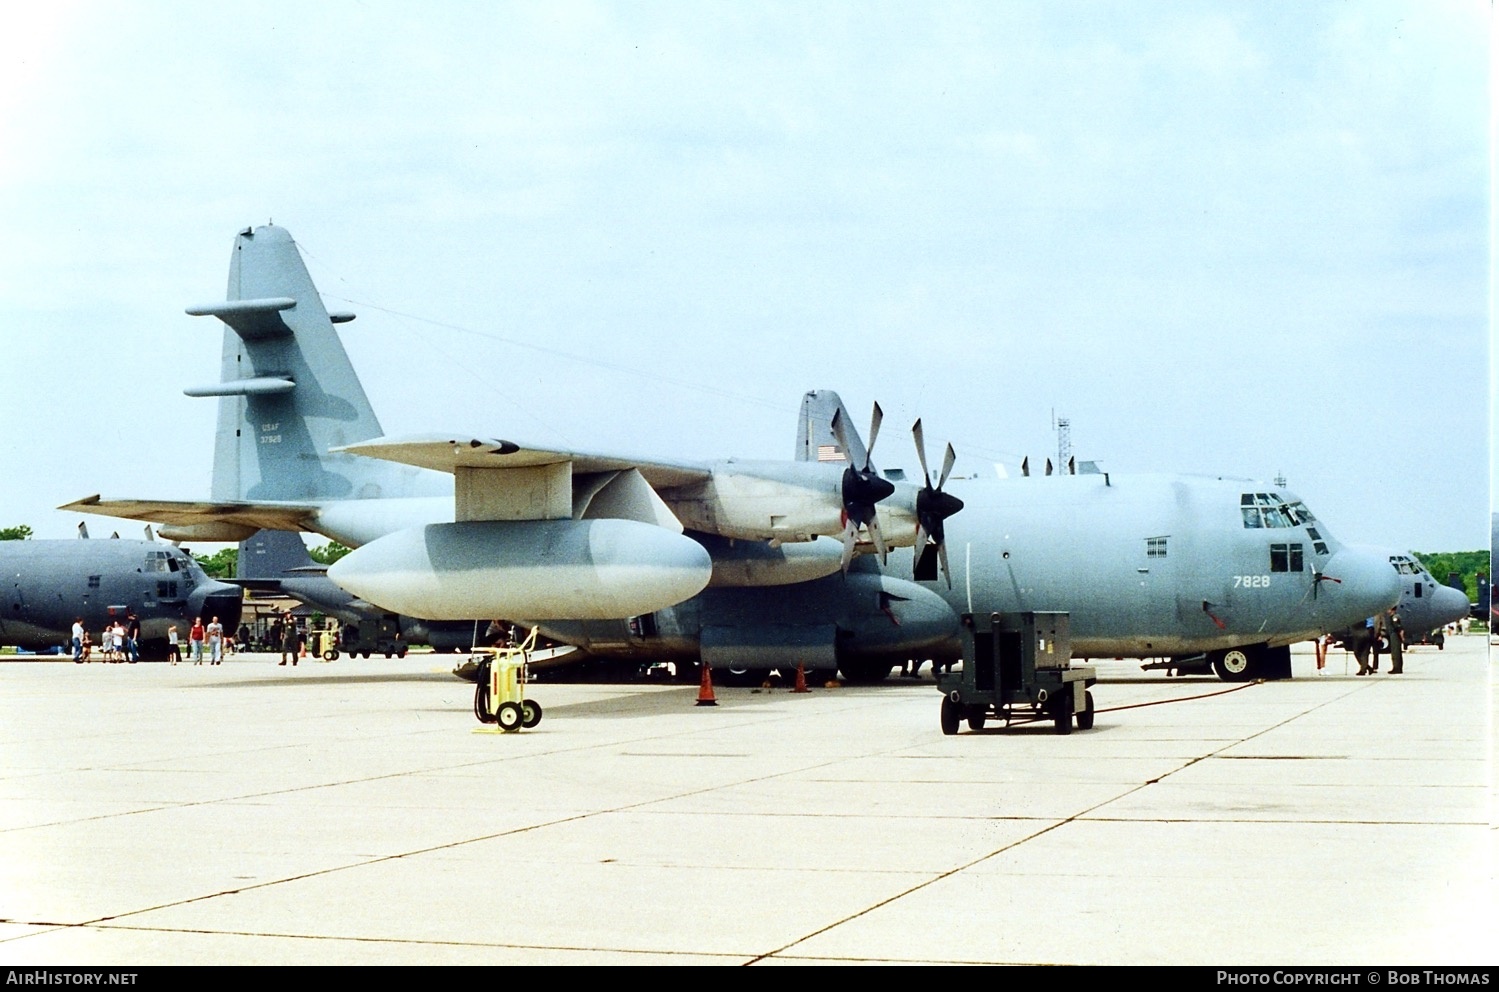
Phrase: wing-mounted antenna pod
(862, 488)
(933, 506)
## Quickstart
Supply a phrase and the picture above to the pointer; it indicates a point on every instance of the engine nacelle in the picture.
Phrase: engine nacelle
(558, 569)
(756, 563)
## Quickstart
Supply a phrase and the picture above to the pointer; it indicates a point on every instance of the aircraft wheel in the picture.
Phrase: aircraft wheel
(530, 713)
(509, 717)
(401, 652)
(1085, 718)
(365, 654)
(743, 678)
(977, 718)
(865, 672)
(1233, 665)
(949, 717)
(330, 655)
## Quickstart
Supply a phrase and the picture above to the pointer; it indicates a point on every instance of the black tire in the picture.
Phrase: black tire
(949, 716)
(365, 655)
(530, 713)
(1234, 665)
(865, 672)
(330, 655)
(742, 678)
(976, 718)
(1061, 713)
(1085, 718)
(508, 715)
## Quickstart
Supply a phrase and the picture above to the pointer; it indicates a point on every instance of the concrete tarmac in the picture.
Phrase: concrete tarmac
(349, 812)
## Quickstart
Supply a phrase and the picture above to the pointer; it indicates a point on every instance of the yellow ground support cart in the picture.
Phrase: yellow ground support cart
(500, 686)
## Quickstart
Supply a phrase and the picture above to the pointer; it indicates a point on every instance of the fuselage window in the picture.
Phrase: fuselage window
(1155, 547)
(1285, 558)
(93, 581)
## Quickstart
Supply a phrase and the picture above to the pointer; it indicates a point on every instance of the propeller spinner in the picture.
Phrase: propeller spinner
(862, 489)
(933, 506)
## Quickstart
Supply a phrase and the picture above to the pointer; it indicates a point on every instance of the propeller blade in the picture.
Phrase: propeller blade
(920, 440)
(850, 537)
(878, 538)
(942, 559)
(874, 432)
(855, 454)
(947, 464)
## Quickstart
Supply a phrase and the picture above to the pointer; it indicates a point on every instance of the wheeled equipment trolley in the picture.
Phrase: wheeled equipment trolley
(1017, 667)
(500, 687)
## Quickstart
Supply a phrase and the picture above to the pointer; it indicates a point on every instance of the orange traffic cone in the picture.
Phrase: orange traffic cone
(801, 678)
(705, 689)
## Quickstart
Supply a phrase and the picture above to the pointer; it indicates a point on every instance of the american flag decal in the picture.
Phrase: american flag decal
(829, 453)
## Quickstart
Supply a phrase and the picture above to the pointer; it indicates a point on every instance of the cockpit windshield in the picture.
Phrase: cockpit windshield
(1271, 510)
(1406, 565)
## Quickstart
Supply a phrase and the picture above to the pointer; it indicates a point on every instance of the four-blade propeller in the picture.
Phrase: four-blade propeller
(933, 506)
(862, 488)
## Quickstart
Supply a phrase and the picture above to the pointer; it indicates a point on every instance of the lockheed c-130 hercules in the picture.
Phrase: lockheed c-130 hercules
(47, 584)
(743, 565)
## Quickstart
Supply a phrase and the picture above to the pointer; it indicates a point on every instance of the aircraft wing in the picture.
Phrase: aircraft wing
(450, 452)
(202, 520)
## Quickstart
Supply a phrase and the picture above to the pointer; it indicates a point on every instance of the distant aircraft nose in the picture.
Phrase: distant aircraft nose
(1448, 605)
(218, 599)
(1358, 584)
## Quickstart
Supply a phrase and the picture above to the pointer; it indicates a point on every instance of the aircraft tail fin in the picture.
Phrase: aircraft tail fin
(273, 554)
(287, 392)
(815, 439)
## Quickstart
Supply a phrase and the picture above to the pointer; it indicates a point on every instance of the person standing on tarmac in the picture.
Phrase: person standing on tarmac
(1397, 648)
(132, 638)
(289, 641)
(216, 642)
(195, 635)
(78, 640)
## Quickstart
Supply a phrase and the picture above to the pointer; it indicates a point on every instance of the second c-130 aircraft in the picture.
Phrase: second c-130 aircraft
(745, 566)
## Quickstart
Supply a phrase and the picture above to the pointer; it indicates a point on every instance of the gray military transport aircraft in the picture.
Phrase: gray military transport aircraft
(48, 583)
(743, 565)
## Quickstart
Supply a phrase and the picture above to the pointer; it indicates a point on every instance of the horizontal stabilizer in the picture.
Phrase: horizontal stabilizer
(244, 387)
(252, 320)
(182, 514)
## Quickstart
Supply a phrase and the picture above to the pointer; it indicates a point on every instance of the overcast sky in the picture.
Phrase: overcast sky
(1241, 238)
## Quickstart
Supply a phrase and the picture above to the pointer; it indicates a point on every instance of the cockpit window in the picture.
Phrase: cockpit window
(1270, 510)
(1285, 558)
(1405, 565)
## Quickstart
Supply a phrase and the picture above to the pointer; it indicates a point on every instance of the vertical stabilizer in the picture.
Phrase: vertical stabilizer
(815, 440)
(272, 554)
(288, 393)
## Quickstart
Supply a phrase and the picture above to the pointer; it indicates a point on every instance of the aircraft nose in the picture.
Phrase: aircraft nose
(1449, 605)
(1357, 585)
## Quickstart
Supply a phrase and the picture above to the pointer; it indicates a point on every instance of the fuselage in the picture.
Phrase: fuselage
(46, 584)
(1146, 566)
(1154, 566)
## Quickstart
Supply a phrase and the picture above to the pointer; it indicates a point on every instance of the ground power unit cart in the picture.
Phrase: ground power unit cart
(1017, 667)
